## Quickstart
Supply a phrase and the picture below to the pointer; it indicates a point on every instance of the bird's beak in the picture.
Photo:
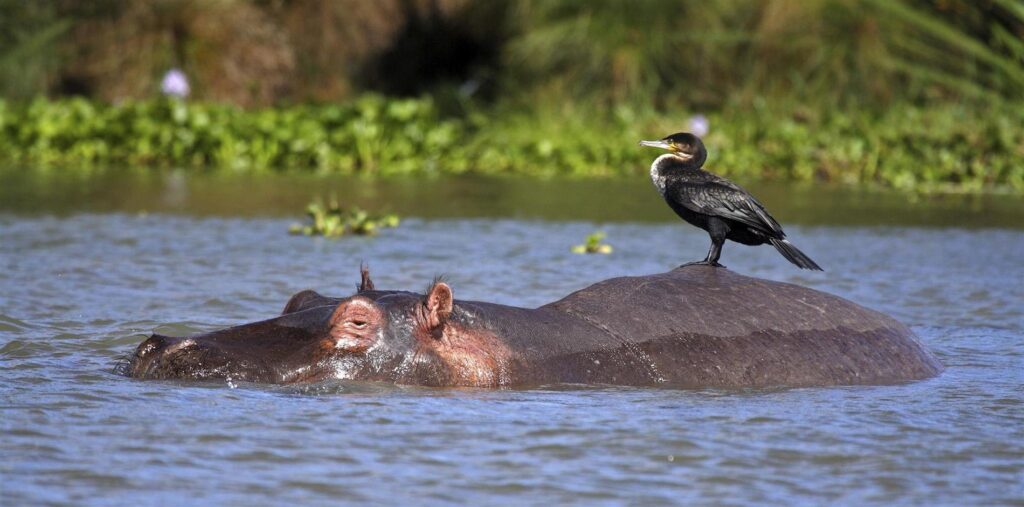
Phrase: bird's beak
(656, 144)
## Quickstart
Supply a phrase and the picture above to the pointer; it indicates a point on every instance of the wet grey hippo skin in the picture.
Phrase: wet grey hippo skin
(695, 326)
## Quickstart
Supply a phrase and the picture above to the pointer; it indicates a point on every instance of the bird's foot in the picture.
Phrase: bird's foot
(703, 263)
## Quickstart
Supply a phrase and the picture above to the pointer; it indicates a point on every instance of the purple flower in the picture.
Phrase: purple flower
(175, 84)
(698, 125)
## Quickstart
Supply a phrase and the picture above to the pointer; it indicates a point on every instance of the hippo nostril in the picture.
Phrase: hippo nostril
(155, 353)
(180, 346)
(145, 349)
(155, 343)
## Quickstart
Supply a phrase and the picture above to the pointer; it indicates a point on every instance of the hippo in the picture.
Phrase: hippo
(692, 327)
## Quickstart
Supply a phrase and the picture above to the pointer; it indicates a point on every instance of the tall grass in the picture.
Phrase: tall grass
(710, 53)
(29, 36)
(660, 53)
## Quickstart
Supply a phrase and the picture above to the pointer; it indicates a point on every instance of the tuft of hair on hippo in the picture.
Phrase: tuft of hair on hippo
(695, 326)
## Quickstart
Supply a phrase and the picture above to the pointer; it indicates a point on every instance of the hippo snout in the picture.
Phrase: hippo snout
(198, 358)
(160, 355)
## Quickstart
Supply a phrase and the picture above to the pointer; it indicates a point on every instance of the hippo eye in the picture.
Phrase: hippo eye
(359, 323)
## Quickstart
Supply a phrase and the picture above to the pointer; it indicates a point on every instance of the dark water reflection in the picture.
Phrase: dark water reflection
(79, 290)
(632, 199)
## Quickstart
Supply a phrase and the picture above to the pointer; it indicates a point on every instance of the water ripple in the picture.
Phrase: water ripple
(80, 292)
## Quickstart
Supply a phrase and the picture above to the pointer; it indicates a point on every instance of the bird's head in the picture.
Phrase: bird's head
(684, 145)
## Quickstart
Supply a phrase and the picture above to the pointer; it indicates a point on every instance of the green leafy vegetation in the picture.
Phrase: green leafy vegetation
(593, 245)
(922, 95)
(945, 147)
(369, 135)
(332, 220)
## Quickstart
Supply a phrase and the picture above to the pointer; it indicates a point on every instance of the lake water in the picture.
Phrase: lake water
(89, 267)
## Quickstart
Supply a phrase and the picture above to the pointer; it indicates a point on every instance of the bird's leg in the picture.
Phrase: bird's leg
(717, 229)
(715, 252)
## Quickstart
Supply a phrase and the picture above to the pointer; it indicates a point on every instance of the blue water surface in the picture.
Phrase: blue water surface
(78, 292)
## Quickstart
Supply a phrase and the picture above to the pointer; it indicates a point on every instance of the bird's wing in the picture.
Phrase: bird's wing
(723, 198)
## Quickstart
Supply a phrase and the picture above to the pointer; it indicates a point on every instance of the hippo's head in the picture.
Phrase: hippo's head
(372, 335)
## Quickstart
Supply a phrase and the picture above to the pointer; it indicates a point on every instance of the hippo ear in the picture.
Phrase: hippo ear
(439, 305)
(304, 300)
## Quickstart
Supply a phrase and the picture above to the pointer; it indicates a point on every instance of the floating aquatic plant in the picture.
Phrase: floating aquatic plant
(938, 147)
(593, 245)
(333, 220)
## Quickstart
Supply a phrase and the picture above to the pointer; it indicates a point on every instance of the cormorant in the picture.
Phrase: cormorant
(714, 203)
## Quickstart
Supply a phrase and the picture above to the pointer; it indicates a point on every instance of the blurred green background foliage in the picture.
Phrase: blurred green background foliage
(906, 93)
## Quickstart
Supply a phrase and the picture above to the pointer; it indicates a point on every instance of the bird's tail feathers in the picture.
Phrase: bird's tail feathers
(794, 255)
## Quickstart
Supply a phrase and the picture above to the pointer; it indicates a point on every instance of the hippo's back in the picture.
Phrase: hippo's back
(703, 326)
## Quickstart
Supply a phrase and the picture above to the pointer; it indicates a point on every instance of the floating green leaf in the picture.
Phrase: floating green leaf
(593, 245)
(333, 220)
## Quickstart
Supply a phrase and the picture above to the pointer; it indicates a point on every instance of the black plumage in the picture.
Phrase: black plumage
(715, 204)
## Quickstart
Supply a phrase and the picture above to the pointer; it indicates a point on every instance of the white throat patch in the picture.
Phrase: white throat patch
(656, 176)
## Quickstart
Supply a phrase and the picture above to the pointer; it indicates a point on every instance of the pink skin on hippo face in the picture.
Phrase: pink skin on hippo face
(695, 326)
(374, 335)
